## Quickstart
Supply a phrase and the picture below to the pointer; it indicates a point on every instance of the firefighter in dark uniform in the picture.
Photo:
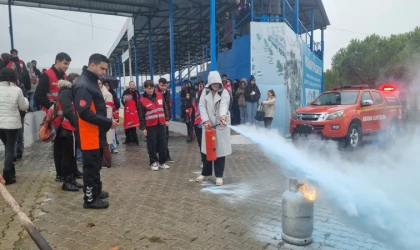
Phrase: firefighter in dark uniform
(92, 127)
(163, 89)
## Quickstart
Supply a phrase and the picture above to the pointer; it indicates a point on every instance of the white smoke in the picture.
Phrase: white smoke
(375, 190)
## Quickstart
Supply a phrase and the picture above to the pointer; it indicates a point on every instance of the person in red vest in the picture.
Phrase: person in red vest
(65, 124)
(46, 94)
(154, 117)
(163, 88)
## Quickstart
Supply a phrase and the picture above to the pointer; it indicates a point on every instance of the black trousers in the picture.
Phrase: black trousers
(8, 137)
(92, 164)
(268, 121)
(57, 156)
(131, 136)
(219, 167)
(66, 152)
(189, 129)
(156, 143)
(199, 135)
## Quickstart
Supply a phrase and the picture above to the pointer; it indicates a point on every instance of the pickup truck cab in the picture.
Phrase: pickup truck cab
(348, 114)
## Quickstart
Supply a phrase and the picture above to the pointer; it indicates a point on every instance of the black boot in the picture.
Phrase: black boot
(103, 195)
(8, 177)
(97, 204)
(68, 185)
(78, 174)
(13, 172)
(74, 182)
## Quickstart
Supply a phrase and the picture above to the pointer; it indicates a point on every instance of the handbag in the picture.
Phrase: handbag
(260, 114)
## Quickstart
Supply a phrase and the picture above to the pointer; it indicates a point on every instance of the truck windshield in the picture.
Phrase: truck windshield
(337, 98)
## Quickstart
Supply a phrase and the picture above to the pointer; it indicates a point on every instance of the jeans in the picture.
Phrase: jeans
(32, 101)
(113, 146)
(8, 137)
(19, 143)
(79, 155)
(251, 110)
(243, 115)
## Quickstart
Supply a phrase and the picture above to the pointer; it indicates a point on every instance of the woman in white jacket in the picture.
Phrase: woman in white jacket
(269, 107)
(12, 100)
(214, 110)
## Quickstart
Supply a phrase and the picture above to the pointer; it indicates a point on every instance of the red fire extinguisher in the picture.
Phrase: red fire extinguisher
(211, 143)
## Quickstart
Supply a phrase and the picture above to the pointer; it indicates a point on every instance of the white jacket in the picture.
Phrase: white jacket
(11, 101)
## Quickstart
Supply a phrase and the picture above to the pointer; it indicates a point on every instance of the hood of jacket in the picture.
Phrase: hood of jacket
(64, 83)
(214, 77)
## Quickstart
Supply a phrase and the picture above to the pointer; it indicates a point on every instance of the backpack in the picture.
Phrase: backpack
(47, 131)
(220, 93)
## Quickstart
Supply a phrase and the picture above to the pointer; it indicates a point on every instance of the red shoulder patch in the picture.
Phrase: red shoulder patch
(82, 103)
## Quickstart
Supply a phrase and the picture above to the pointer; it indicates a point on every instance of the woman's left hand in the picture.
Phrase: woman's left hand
(223, 120)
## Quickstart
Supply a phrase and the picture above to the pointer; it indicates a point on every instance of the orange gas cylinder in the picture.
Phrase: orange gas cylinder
(211, 144)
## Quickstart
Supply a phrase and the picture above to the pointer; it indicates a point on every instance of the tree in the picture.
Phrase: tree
(374, 59)
(279, 67)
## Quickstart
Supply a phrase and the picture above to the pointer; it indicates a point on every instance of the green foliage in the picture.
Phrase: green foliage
(374, 59)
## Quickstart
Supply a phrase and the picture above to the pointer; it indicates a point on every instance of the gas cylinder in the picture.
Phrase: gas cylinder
(211, 144)
(297, 220)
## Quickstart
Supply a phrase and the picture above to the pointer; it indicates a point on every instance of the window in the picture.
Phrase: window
(337, 98)
(366, 97)
(378, 98)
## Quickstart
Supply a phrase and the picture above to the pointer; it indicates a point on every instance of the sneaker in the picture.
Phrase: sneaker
(154, 166)
(219, 181)
(97, 204)
(115, 151)
(104, 167)
(78, 175)
(164, 166)
(170, 160)
(103, 195)
(201, 178)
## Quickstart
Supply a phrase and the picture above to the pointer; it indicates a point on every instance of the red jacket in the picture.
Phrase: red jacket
(131, 117)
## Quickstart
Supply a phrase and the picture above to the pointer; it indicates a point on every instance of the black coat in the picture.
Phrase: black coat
(248, 90)
(90, 106)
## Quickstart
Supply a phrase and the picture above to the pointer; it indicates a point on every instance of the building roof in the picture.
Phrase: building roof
(191, 25)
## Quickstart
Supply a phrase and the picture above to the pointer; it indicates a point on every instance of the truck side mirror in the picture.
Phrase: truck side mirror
(367, 103)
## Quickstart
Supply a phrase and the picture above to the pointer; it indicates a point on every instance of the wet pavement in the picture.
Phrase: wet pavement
(166, 209)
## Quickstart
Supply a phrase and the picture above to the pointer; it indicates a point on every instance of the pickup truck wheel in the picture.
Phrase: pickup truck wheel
(353, 139)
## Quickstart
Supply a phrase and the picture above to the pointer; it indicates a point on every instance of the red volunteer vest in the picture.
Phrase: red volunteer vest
(197, 118)
(155, 114)
(60, 120)
(52, 94)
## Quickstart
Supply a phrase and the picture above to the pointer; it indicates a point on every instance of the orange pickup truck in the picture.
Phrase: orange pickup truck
(348, 114)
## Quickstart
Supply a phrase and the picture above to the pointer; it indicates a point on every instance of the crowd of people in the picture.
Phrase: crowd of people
(245, 99)
(86, 116)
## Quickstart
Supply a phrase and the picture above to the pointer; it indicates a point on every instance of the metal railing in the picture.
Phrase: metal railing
(261, 13)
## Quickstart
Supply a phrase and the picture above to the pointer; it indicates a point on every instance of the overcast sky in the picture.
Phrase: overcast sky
(39, 35)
